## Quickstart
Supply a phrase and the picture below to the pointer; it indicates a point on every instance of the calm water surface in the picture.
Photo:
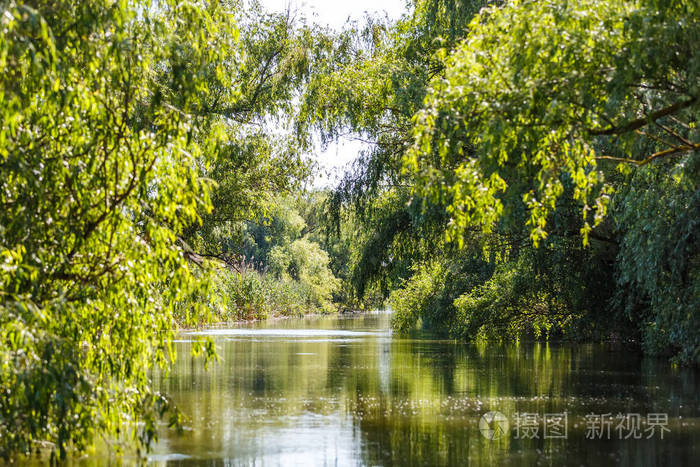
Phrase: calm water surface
(344, 391)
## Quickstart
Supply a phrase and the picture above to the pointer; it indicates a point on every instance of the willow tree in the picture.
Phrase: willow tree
(559, 94)
(104, 141)
(259, 160)
(541, 89)
(369, 88)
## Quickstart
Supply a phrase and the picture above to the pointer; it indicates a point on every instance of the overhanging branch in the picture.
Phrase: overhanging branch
(640, 122)
(665, 153)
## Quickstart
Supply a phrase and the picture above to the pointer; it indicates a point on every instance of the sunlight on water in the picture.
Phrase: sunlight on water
(345, 391)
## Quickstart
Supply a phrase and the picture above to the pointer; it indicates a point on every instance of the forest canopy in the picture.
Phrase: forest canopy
(549, 106)
(125, 126)
(539, 90)
(532, 167)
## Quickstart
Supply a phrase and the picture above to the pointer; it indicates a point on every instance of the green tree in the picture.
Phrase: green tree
(539, 90)
(518, 128)
(259, 161)
(658, 214)
(370, 87)
(108, 127)
(536, 107)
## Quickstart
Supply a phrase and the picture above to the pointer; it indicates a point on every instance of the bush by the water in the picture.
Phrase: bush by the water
(251, 294)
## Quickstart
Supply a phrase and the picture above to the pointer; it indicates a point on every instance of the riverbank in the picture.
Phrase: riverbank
(250, 295)
(271, 319)
(242, 322)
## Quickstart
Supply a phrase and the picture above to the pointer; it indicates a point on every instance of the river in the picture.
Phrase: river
(346, 391)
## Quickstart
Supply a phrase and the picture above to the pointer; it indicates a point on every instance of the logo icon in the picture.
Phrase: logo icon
(493, 425)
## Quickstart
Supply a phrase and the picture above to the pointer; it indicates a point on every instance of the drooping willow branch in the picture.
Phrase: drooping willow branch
(640, 122)
(665, 153)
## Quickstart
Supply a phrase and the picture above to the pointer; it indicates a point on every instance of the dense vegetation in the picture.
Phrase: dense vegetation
(532, 170)
(277, 267)
(130, 136)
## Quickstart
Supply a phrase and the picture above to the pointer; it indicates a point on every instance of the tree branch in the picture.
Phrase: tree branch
(640, 122)
(657, 155)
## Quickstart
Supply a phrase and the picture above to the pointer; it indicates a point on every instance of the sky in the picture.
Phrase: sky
(335, 13)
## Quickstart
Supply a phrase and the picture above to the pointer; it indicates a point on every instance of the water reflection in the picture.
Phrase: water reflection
(343, 391)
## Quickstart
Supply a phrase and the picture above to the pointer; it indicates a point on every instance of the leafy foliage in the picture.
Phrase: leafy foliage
(658, 214)
(370, 87)
(540, 97)
(533, 89)
(281, 270)
(502, 130)
(113, 113)
(259, 159)
(248, 294)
